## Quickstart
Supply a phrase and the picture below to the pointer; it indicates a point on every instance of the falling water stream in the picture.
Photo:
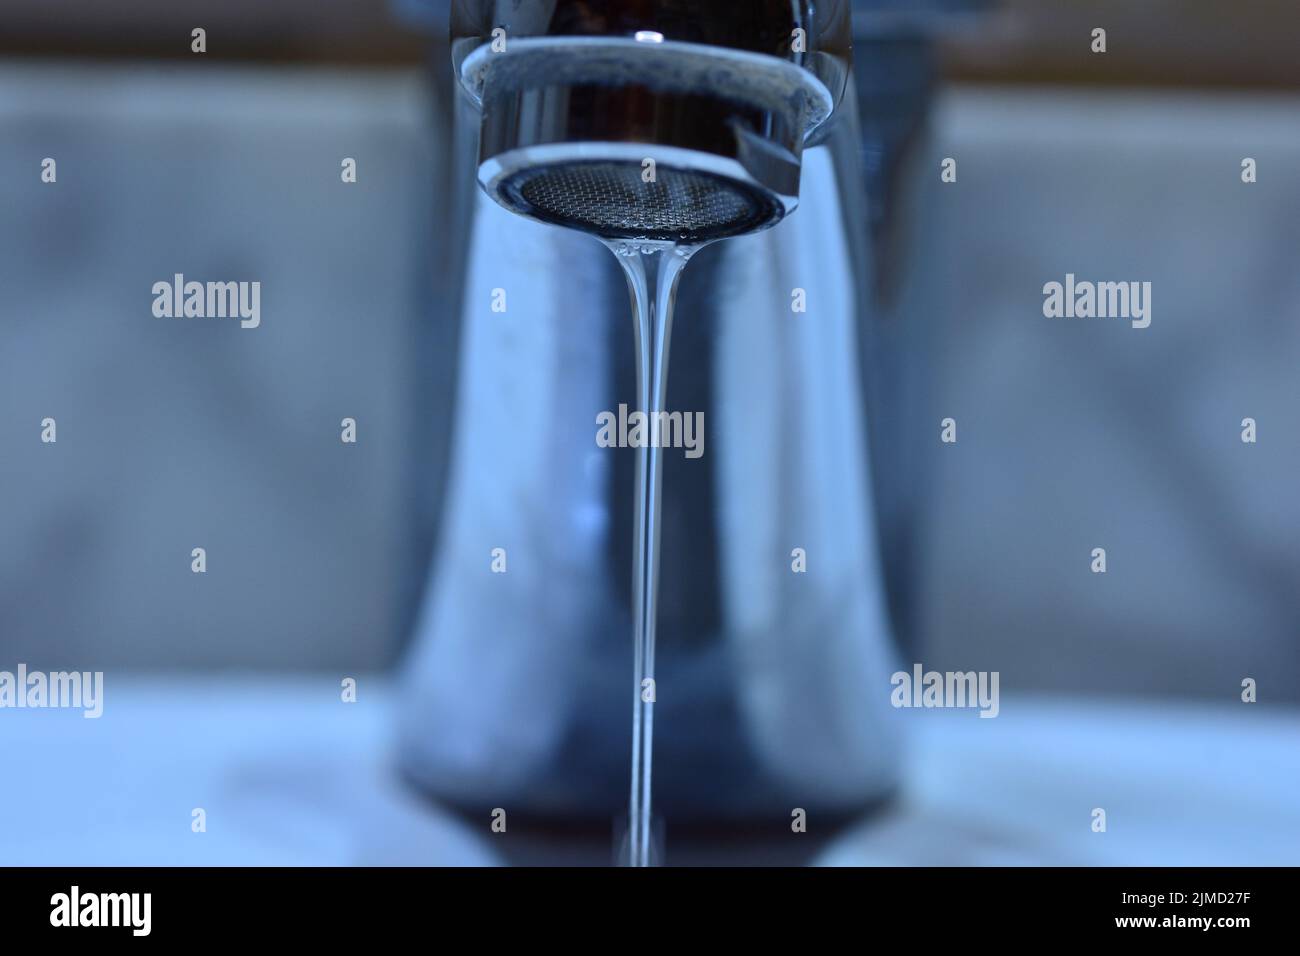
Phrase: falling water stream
(653, 270)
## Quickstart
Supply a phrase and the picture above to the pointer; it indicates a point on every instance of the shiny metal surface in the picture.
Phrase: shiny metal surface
(551, 106)
(772, 684)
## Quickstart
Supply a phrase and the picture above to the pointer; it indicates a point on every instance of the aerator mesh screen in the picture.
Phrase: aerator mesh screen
(611, 199)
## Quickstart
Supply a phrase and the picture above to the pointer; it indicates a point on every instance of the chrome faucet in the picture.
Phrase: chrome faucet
(775, 650)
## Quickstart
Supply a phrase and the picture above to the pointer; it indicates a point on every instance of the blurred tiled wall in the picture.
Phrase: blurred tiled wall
(1075, 434)
(182, 433)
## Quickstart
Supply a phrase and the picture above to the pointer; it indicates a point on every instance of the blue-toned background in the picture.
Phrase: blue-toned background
(222, 688)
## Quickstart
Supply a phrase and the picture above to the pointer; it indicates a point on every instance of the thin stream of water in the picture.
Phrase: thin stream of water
(652, 270)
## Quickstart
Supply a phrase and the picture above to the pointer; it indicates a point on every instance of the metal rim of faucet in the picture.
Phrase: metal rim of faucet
(820, 102)
(725, 130)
